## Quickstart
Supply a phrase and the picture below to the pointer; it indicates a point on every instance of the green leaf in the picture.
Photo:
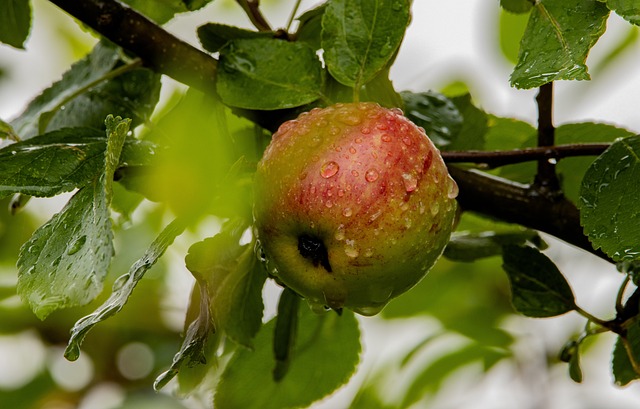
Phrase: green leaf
(286, 332)
(469, 247)
(60, 161)
(517, 6)
(324, 358)
(235, 282)
(162, 11)
(474, 126)
(268, 74)
(214, 36)
(623, 371)
(571, 354)
(511, 30)
(609, 210)
(437, 114)
(537, 286)
(117, 129)
(65, 261)
(557, 40)
(123, 288)
(310, 26)
(7, 132)
(90, 90)
(15, 22)
(361, 37)
(627, 9)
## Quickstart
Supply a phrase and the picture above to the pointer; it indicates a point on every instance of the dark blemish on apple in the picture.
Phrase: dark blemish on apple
(313, 249)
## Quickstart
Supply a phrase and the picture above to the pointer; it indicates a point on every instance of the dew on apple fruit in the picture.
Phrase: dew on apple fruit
(371, 175)
(368, 252)
(350, 249)
(349, 117)
(329, 169)
(352, 150)
(453, 191)
(355, 173)
(347, 212)
(329, 204)
(339, 233)
(369, 311)
(386, 138)
(435, 208)
(407, 141)
(410, 182)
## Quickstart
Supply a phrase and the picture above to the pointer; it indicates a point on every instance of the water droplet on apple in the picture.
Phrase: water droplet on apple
(340, 192)
(386, 138)
(435, 208)
(407, 222)
(329, 204)
(382, 126)
(339, 233)
(397, 111)
(350, 249)
(348, 117)
(368, 252)
(371, 175)
(303, 176)
(355, 173)
(329, 169)
(347, 212)
(407, 141)
(352, 150)
(410, 182)
(369, 311)
(375, 215)
(365, 130)
(453, 191)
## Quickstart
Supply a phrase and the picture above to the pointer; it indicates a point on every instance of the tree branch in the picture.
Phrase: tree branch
(479, 192)
(494, 159)
(158, 49)
(252, 8)
(546, 178)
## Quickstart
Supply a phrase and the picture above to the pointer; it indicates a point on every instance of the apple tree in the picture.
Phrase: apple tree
(143, 165)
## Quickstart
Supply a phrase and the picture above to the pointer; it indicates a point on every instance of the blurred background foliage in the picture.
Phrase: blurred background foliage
(459, 341)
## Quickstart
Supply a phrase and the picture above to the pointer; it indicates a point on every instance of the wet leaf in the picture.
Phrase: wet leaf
(557, 40)
(538, 289)
(473, 246)
(609, 210)
(360, 38)
(437, 114)
(627, 9)
(214, 36)
(517, 6)
(268, 74)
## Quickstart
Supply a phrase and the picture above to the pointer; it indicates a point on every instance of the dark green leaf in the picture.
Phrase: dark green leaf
(310, 27)
(285, 333)
(361, 37)
(15, 22)
(571, 354)
(474, 126)
(473, 246)
(437, 114)
(88, 92)
(623, 371)
(517, 6)
(60, 161)
(65, 261)
(628, 9)
(162, 11)
(268, 74)
(557, 40)
(609, 210)
(324, 358)
(213, 36)
(537, 286)
(123, 288)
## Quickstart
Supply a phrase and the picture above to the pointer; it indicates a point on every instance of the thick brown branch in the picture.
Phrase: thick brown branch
(494, 159)
(521, 204)
(158, 49)
(546, 178)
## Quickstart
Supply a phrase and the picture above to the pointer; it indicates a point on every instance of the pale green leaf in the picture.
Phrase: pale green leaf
(557, 40)
(117, 129)
(538, 289)
(268, 74)
(609, 209)
(15, 22)
(325, 356)
(361, 37)
(517, 6)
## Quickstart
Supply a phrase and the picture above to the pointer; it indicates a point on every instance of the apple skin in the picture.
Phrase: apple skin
(366, 185)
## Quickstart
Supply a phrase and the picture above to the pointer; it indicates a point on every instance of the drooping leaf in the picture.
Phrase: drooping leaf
(65, 261)
(123, 288)
(285, 333)
(213, 36)
(537, 286)
(627, 9)
(474, 126)
(88, 92)
(360, 37)
(268, 74)
(437, 114)
(623, 370)
(558, 38)
(15, 22)
(60, 161)
(7, 132)
(235, 282)
(324, 358)
(310, 26)
(609, 210)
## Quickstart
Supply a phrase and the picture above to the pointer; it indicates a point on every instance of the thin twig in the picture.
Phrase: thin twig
(546, 178)
(252, 8)
(494, 159)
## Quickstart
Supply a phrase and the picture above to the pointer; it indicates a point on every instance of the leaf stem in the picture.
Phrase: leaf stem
(292, 16)
(620, 295)
(252, 8)
(592, 318)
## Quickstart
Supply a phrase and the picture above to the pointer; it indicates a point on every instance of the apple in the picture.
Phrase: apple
(353, 206)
